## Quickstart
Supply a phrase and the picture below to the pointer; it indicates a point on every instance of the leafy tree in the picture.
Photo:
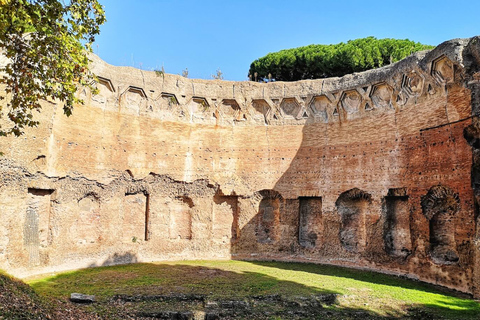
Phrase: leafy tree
(45, 43)
(321, 61)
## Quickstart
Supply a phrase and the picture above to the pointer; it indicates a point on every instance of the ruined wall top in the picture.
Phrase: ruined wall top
(387, 89)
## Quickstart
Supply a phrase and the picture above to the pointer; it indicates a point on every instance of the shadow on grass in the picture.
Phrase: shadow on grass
(442, 302)
(154, 290)
(243, 290)
(169, 278)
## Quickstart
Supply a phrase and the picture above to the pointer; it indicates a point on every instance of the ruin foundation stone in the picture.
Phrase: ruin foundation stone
(377, 170)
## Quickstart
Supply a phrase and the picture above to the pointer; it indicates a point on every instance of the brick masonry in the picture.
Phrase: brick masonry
(375, 170)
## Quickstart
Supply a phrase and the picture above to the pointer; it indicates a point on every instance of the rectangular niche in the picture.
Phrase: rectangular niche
(225, 218)
(36, 229)
(397, 223)
(310, 221)
(87, 227)
(180, 218)
(136, 217)
(353, 206)
(268, 217)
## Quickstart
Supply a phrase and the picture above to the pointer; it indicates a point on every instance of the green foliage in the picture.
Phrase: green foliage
(160, 72)
(45, 43)
(335, 60)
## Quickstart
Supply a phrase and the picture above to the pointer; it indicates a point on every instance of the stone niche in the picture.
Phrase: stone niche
(440, 205)
(231, 110)
(351, 101)
(381, 96)
(198, 109)
(261, 110)
(87, 227)
(133, 100)
(412, 83)
(225, 218)
(319, 106)
(135, 217)
(291, 108)
(443, 70)
(169, 99)
(104, 98)
(352, 206)
(310, 221)
(36, 230)
(396, 235)
(267, 228)
(180, 218)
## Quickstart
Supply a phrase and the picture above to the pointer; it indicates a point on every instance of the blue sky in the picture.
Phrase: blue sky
(210, 34)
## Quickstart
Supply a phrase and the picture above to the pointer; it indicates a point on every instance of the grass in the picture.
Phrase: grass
(19, 301)
(376, 294)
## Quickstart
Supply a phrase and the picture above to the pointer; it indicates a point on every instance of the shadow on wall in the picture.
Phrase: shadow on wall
(354, 228)
(361, 194)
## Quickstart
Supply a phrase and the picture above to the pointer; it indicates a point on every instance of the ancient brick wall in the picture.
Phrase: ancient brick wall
(377, 170)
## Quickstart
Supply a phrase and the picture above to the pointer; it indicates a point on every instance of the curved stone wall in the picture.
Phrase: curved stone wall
(375, 170)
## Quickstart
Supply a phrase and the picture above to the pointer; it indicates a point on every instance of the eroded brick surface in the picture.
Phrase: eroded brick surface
(375, 170)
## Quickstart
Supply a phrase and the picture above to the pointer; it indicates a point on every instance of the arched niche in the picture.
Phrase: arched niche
(268, 218)
(440, 205)
(353, 205)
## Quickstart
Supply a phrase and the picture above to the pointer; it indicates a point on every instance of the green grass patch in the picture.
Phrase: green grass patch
(378, 294)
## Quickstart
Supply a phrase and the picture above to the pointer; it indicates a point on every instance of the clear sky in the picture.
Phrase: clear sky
(204, 35)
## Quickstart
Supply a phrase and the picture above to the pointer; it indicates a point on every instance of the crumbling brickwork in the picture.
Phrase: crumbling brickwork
(376, 170)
